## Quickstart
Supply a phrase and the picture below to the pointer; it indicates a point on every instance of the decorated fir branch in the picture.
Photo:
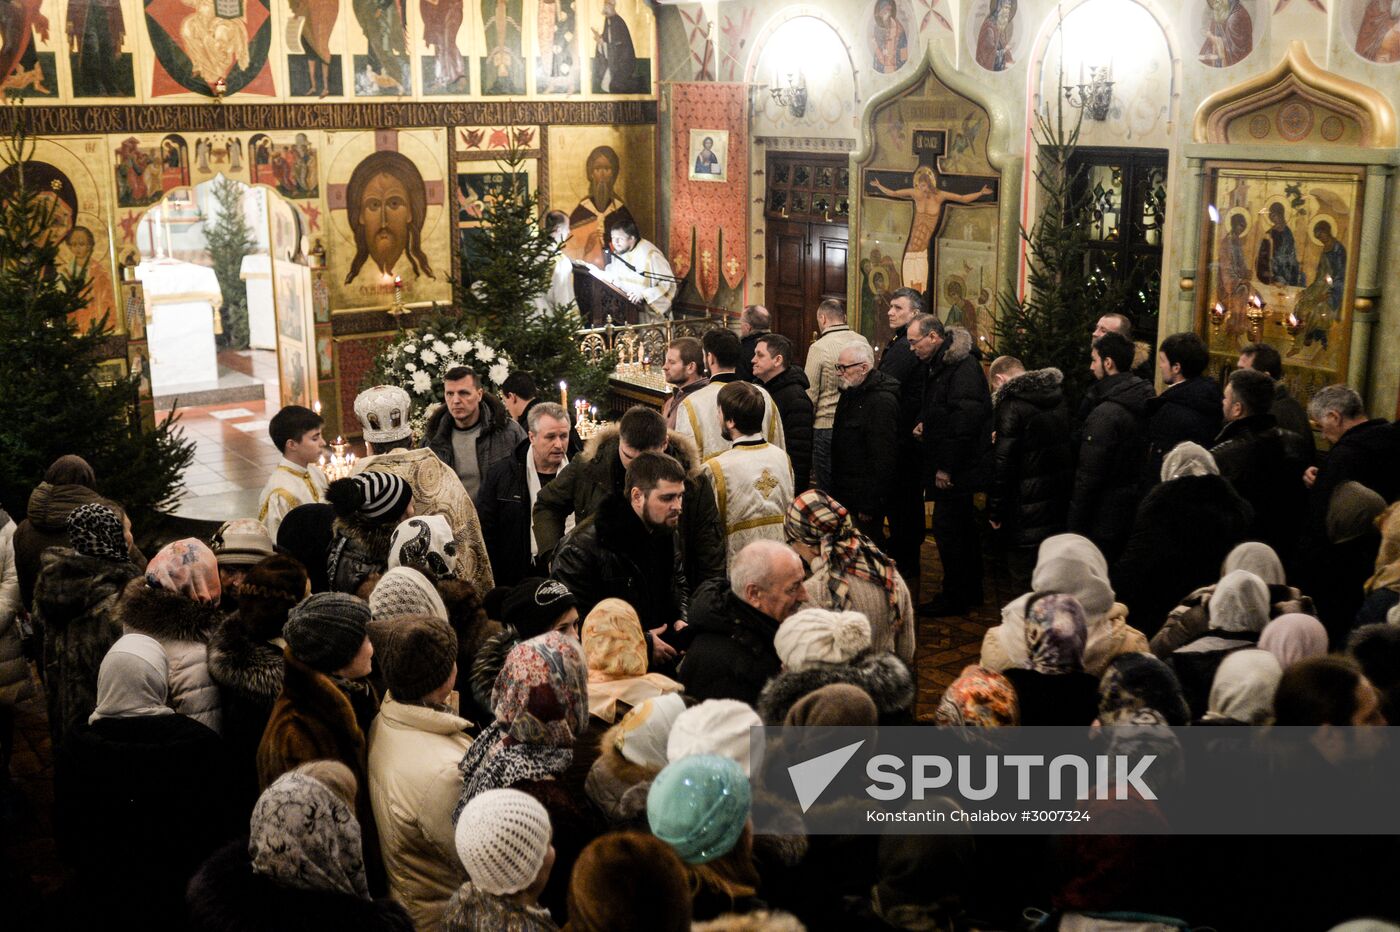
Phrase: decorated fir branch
(63, 398)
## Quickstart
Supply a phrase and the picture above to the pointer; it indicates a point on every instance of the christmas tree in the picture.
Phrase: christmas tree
(230, 239)
(58, 397)
(506, 268)
(1067, 291)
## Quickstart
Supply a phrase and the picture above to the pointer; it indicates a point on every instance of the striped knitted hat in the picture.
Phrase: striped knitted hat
(376, 497)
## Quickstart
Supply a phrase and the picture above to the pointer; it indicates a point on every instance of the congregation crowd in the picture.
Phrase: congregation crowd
(503, 679)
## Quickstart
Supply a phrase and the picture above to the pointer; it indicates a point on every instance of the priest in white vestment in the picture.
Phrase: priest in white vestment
(753, 478)
(640, 271)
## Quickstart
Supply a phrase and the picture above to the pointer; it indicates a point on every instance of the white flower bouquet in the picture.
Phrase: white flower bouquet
(417, 360)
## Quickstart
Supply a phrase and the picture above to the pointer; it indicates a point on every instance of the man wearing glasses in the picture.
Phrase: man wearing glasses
(864, 438)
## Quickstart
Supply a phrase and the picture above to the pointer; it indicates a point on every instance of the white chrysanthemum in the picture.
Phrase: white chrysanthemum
(409, 349)
(440, 348)
(486, 354)
(421, 383)
(459, 348)
(498, 373)
(411, 367)
(478, 290)
(428, 356)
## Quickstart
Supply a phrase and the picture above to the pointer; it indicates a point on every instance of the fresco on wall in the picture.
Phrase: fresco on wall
(598, 175)
(478, 186)
(928, 217)
(737, 30)
(1373, 27)
(218, 154)
(503, 65)
(381, 66)
(622, 41)
(96, 32)
(888, 36)
(313, 70)
(1228, 30)
(442, 66)
(27, 67)
(62, 173)
(291, 167)
(556, 34)
(932, 13)
(1280, 266)
(198, 43)
(994, 35)
(146, 170)
(385, 191)
(476, 140)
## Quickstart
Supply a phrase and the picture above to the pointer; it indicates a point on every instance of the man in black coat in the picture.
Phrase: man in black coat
(1285, 409)
(472, 430)
(1032, 461)
(864, 438)
(1188, 407)
(753, 326)
(906, 508)
(629, 550)
(955, 424)
(732, 623)
(509, 491)
(1264, 463)
(1364, 450)
(788, 387)
(1112, 448)
(581, 487)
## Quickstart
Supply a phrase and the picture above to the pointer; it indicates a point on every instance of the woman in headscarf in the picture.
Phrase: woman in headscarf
(75, 601)
(143, 794)
(1294, 637)
(68, 485)
(1193, 514)
(177, 603)
(540, 704)
(615, 649)
(1239, 610)
(302, 867)
(1055, 690)
(1067, 563)
(1243, 691)
(368, 508)
(1191, 617)
(1134, 682)
(630, 755)
(849, 572)
(978, 698)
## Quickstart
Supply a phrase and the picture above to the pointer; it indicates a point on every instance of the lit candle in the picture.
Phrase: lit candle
(316, 407)
(564, 395)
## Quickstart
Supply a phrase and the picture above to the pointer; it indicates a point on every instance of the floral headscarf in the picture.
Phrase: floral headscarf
(186, 567)
(1134, 682)
(541, 706)
(818, 520)
(616, 651)
(1056, 632)
(978, 697)
(303, 835)
(95, 530)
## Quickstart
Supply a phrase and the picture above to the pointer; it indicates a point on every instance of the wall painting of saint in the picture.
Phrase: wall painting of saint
(382, 69)
(96, 32)
(313, 70)
(198, 43)
(556, 29)
(503, 65)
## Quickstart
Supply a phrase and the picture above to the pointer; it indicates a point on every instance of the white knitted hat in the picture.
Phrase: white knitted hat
(502, 840)
(715, 726)
(383, 412)
(815, 635)
(405, 591)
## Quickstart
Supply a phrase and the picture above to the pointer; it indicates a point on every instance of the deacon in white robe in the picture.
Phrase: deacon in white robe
(640, 271)
(699, 418)
(753, 488)
(288, 487)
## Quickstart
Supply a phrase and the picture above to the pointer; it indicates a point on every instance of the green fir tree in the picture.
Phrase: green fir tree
(230, 239)
(61, 397)
(1067, 292)
(506, 268)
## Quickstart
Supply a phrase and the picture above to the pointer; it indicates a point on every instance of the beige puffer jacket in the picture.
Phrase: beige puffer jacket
(183, 627)
(414, 784)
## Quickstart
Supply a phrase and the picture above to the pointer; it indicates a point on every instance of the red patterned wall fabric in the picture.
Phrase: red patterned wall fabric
(702, 204)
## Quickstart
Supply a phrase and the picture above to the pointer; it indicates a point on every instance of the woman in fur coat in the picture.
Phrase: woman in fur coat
(75, 601)
(177, 603)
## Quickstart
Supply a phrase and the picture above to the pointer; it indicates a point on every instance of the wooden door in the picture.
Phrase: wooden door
(788, 280)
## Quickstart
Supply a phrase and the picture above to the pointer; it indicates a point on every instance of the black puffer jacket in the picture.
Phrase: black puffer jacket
(75, 601)
(957, 415)
(1369, 453)
(1033, 458)
(613, 556)
(1112, 451)
(1189, 410)
(583, 485)
(731, 653)
(1183, 531)
(504, 509)
(358, 550)
(789, 391)
(497, 440)
(864, 438)
(1265, 465)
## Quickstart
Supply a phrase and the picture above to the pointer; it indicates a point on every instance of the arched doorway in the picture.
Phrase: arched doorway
(227, 288)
